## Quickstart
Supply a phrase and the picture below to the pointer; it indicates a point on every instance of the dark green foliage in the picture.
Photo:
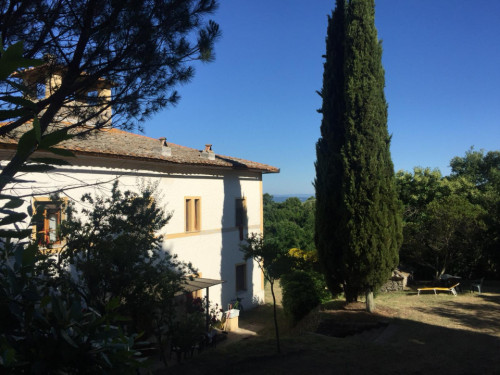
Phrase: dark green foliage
(329, 168)
(300, 294)
(446, 238)
(358, 224)
(290, 223)
(451, 223)
(117, 251)
(43, 331)
(483, 171)
(289, 234)
(52, 323)
(187, 330)
(11, 60)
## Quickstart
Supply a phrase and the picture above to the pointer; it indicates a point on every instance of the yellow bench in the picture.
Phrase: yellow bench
(450, 289)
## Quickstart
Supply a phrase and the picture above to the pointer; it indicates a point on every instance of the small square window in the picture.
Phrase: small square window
(193, 214)
(241, 277)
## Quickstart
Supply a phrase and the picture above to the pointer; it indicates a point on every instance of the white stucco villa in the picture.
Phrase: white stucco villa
(216, 200)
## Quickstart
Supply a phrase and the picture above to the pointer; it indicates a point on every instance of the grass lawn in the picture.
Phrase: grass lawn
(441, 334)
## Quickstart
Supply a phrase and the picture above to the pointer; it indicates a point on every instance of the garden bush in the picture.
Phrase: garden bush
(300, 294)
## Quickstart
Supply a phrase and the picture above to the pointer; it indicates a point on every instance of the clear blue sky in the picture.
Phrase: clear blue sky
(258, 99)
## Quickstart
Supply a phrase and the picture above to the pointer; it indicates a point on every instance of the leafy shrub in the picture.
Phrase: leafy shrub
(117, 253)
(43, 331)
(300, 293)
(51, 322)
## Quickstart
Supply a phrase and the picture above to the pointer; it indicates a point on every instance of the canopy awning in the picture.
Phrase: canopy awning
(198, 283)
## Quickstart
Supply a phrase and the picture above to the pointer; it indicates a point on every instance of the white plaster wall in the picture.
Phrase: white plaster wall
(214, 250)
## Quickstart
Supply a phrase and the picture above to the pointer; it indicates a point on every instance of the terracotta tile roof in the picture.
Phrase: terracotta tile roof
(115, 143)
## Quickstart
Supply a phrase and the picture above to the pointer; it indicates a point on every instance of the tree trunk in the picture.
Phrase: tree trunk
(275, 319)
(370, 304)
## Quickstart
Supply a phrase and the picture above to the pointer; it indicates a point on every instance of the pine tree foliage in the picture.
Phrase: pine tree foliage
(139, 51)
(358, 223)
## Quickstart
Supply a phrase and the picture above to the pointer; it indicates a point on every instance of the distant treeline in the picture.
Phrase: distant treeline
(279, 198)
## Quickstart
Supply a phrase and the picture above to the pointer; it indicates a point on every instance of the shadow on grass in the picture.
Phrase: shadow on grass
(262, 316)
(408, 346)
(411, 294)
(484, 316)
(411, 348)
(490, 298)
(333, 305)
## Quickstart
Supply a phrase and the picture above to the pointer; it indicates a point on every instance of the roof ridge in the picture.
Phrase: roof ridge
(118, 143)
(148, 137)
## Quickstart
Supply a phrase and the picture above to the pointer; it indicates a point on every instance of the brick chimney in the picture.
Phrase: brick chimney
(50, 75)
(104, 94)
(207, 153)
(165, 149)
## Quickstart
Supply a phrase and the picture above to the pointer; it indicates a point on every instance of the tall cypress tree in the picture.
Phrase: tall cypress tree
(358, 223)
(328, 233)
